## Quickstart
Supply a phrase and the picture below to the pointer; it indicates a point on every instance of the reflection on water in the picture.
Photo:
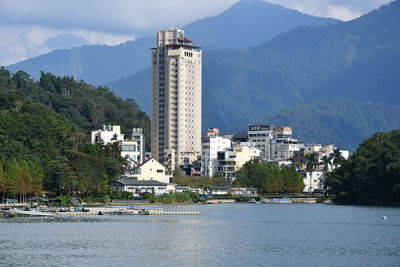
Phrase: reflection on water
(222, 235)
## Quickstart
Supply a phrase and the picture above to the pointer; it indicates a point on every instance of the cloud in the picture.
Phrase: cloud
(339, 9)
(30, 28)
(116, 17)
(18, 43)
(341, 12)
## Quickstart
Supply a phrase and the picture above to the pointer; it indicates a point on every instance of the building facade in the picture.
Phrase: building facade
(260, 137)
(108, 134)
(176, 99)
(211, 145)
(151, 169)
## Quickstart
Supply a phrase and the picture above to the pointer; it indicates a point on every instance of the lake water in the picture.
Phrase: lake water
(222, 235)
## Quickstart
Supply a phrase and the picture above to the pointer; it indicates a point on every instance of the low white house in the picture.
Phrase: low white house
(140, 187)
(151, 169)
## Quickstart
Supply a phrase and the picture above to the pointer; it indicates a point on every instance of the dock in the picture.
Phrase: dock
(77, 213)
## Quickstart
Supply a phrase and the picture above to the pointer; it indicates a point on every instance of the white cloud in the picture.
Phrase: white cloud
(26, 25)
(341, 12)
(18, 43)
(339, 9)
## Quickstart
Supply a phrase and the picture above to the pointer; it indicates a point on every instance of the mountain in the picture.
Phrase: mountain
(247, 23)
(358, 60)
(83, 104)
(345, 123)
(95, 64)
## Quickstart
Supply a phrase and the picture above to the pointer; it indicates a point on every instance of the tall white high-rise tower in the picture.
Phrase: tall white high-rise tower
(176, 99)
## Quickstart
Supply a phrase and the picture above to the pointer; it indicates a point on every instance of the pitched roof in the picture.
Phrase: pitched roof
(144, 162)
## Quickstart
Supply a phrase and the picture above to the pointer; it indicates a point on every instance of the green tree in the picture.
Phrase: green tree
(311, 163)
(372, 173)
(337, 157)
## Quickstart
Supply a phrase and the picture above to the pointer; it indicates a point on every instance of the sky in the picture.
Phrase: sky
(29, 28)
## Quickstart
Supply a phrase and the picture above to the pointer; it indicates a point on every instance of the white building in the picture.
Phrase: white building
(133, 150)
(138, 136)
(231, 160)
(311, 148)
(282, 149)
(176, 99)
(211, 145)
(141, 187)
(315, 182)
(109, 134)
(151, 169)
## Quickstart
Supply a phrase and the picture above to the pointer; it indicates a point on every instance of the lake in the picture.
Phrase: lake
(222, 235)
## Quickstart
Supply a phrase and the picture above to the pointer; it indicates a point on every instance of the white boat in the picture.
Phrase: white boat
(26, 213)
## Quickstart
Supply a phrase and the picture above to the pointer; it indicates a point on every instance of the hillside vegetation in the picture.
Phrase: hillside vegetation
(85, 105)
(372, 173)
(35, 137)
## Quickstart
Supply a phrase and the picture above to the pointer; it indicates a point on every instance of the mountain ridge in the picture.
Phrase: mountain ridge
(100, 64)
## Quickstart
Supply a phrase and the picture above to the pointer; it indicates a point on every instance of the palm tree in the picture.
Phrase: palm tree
(337, 157)
(326, 161)
(311, 162)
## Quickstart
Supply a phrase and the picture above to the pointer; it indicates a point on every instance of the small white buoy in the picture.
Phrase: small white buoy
(384, 218)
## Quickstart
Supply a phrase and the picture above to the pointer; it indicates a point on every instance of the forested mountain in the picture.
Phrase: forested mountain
(38, 145)
(245, 24)
(249, 23)
(357, 60)
(345, 123)
(83, 104)
(96, 64)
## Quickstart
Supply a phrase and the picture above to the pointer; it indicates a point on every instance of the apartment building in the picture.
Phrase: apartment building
(176, 99)
(260, 137)
(211, 145)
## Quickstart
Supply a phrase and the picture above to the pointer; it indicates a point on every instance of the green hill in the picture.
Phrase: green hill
(83, 104)
(32, 134)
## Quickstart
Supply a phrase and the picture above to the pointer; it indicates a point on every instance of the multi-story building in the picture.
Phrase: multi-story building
(108, 134)
(176, 99)
(138, 136)
(231, 160)
(133, 150)
(283, 149)
(211, 145)
(260, 137)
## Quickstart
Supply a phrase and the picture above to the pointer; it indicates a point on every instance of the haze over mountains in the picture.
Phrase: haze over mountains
(270, 66)
(247, 23)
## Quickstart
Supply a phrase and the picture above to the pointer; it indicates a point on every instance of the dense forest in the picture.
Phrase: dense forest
(53, 137)
(267, 177)
(83, 104)
(372, 173)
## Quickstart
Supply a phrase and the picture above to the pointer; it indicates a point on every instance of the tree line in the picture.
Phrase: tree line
(268, 177)
(34, 133)
(20, 178)
(371, 175)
